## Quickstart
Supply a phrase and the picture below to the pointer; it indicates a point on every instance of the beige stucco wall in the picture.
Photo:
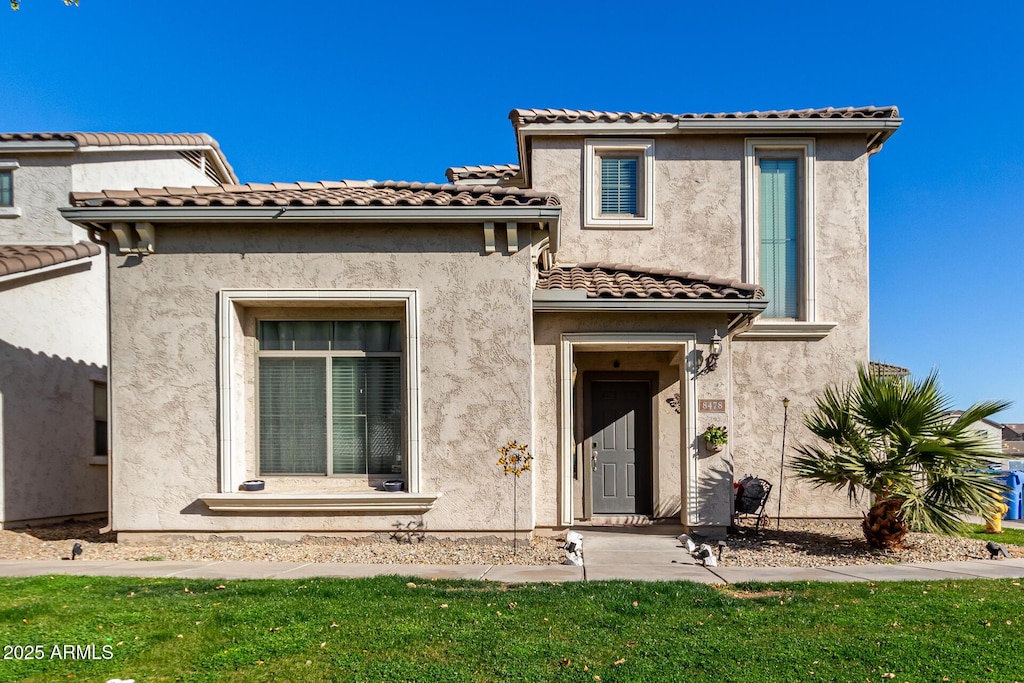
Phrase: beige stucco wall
(48, 363)
(475, 331)
(698, 227)
(53, 333)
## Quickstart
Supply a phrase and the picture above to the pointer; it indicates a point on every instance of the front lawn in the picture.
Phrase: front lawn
(383, 629)
(1008, 537)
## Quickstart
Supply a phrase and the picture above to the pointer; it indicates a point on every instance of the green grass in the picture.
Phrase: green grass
(382, 630)
(1011, 536)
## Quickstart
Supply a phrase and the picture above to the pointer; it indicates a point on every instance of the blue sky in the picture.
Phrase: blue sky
(329, 90)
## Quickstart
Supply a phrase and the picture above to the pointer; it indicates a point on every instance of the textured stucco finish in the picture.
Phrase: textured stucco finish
(47, 369)
(475, 327)
(698, 227)
(685, 474)
(53, 334)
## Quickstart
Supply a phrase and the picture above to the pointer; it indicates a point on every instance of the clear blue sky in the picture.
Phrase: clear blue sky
(396, 90)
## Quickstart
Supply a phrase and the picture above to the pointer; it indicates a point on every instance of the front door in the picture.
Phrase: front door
(619, 447)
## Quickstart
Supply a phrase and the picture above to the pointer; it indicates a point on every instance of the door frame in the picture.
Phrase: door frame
(686, 358)
(649, 378)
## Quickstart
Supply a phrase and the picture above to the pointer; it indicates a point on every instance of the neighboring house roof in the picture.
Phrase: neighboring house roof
(22, 259)
(524, 116)
(345, 193)
(990, 423)
(1016, 429)
(222, 171)
(488, 172)
(887, 370)
(1013, 447)
(603, 280)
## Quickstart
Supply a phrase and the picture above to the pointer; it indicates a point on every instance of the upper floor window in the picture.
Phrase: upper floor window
(779, 228)
(618, 190)
(7, 207)
(6, 188)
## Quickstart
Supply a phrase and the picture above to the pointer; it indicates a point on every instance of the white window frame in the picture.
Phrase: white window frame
(806, 325)
(643, 149)
(234, 409)
(11, 211)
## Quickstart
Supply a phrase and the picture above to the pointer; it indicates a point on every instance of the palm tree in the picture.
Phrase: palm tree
(892, 437)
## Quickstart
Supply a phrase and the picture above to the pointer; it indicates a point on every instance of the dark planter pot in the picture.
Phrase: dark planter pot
(253, 485)
(393, 485)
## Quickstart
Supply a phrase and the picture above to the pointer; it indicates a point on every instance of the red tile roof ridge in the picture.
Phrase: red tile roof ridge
(323, 193)
(99, 139)
(525, 116)
(481, 172)
(627, 281)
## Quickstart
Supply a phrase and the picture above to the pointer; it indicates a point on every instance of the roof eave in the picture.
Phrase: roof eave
(574, 300)
(38, 146)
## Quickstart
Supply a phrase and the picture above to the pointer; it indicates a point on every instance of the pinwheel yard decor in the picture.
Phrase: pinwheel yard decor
(515, 459)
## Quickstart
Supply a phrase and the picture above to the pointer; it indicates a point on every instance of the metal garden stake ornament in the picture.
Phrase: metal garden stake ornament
(515, 458)
(782, 467)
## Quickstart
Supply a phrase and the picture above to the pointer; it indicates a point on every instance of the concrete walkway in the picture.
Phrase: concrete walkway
(631, 553)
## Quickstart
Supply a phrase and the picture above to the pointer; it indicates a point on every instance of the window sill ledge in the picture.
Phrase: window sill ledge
(98, 460)
(794, 329)
(10, 212)
(377, 501)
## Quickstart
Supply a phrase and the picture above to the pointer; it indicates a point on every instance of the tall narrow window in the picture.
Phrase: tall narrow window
(6, 188)
(99, 412)
(779, 229)
(330, 397)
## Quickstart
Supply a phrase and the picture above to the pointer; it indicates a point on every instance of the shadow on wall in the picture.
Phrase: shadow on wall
(715, 496)
(47, 431)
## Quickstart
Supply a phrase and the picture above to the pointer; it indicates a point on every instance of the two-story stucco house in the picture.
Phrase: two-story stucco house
(53, 292)
(632, 280)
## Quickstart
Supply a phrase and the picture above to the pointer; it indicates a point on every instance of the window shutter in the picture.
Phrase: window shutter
(618, 185)
(779, 271)
(293, 415)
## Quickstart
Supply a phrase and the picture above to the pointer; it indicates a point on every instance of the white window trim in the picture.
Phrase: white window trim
(593, 148)
(10, 211)
(807, 326)
(232, 384)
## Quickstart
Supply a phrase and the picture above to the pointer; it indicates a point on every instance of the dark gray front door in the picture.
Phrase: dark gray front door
(619, 447)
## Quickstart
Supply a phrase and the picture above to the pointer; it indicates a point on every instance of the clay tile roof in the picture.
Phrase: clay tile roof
(525, 116)
(22, 258)
(487, 172)
(617, 281)
(126, 139)
(887, 370)
(343, 193)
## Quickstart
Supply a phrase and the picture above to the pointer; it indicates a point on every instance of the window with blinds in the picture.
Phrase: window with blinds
(6, 188)
(779, 247)
(330, 397)
(619, 185)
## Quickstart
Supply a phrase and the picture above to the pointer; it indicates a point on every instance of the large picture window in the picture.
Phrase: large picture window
(330, 397)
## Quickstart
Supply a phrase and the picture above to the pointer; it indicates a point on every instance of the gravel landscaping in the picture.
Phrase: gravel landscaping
(795, 544)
